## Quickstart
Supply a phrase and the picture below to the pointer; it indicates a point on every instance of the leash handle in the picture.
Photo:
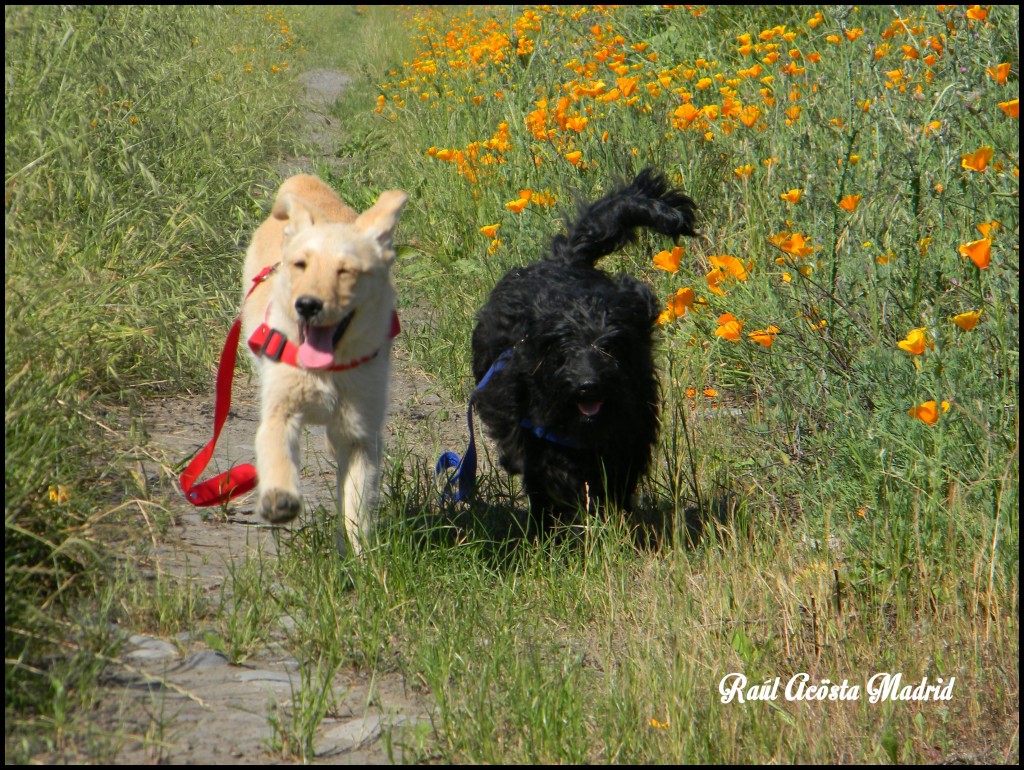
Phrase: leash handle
(241, 478)
(461, 484)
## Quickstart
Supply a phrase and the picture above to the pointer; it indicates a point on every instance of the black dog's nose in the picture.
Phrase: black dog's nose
(307, 306)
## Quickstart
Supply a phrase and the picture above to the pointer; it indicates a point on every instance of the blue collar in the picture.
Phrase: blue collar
(547, 435)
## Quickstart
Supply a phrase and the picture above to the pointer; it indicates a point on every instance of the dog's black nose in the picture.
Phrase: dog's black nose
(307, 306)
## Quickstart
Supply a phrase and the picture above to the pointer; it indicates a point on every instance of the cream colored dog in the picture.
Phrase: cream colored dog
(331, 297)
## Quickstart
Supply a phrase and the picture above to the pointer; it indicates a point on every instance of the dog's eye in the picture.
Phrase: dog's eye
(300, 264)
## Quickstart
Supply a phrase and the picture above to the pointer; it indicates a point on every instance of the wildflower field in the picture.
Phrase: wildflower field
(855, 301)
(837, 480)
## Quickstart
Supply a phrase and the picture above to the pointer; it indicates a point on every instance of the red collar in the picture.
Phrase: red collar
(271, 343)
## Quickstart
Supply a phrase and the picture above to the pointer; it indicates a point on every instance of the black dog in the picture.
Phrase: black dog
(572, 396)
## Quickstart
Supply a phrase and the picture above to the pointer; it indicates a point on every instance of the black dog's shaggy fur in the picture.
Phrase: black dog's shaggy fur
(573, 401)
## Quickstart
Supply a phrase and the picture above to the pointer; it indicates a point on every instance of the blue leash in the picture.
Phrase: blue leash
(461, 484)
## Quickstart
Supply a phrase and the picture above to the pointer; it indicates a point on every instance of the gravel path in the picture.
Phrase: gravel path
(183, 702)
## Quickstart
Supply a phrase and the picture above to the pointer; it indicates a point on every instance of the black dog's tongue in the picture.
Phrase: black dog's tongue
(589, 408)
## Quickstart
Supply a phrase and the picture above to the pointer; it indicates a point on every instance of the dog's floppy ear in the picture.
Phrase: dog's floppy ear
(380, 220)
(295, 210)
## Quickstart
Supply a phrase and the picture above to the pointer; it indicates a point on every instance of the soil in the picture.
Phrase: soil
(183, 702)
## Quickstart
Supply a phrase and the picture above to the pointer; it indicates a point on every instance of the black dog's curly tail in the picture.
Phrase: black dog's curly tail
(609, 223)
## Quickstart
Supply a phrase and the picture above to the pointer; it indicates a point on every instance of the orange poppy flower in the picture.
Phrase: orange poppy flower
(979, 252)
(517, 205)
(916, 341)
(792, 243)
(574, 157)
(929, 411)
(710, 392)
(749, 115)
(730, 266)
(681, 301)
(593, 89)
(729, 327)
(793, 196)
(489, 230)
(576, 123)
(1011, 108)
(627, 86)
(744, 172)
(999, 73)
(714, 278)
(849, 203)
(669, 260)
(764, 336)
(677, 306)
(968, 320)
(685, 114)
(977, 160)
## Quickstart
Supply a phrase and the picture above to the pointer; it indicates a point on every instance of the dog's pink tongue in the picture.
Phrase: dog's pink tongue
(317, 350)
(589, 408)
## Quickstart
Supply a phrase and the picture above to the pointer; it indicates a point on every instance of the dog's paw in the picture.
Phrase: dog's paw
(278, 506)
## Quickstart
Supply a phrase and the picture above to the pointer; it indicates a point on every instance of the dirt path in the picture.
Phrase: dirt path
(183, 702)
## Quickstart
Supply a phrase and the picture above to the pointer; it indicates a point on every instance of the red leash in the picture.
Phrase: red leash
(239, 479)
(242, 478)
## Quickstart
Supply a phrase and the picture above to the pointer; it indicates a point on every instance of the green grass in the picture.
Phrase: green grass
(137, 147)
(814, 526)
(830, 517)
